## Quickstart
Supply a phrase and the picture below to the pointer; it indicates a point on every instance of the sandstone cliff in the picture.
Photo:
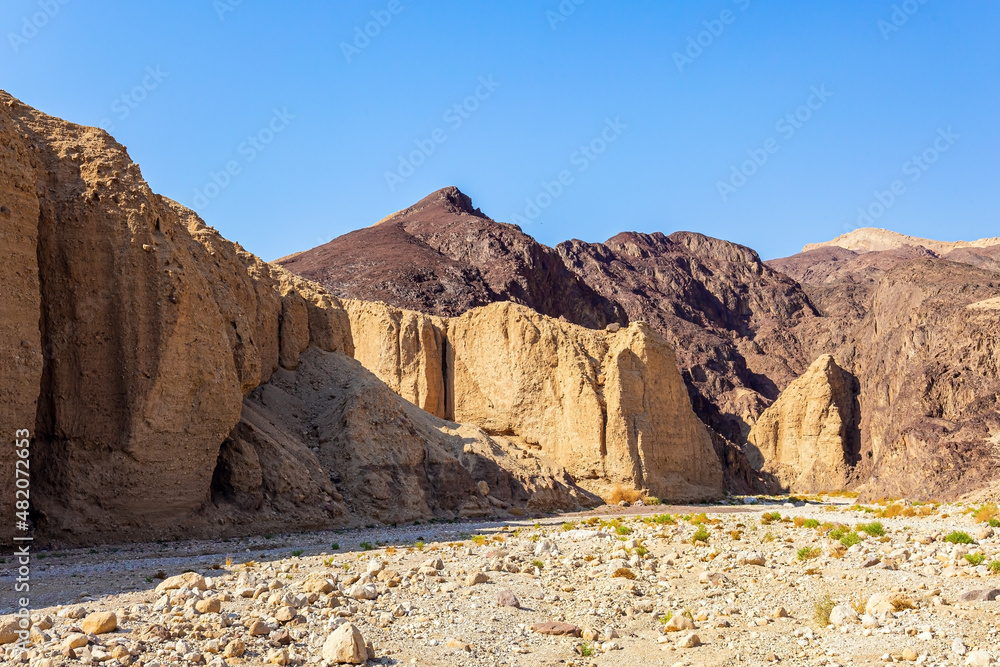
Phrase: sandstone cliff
(145, 352)
(807, 441)
(609, 406)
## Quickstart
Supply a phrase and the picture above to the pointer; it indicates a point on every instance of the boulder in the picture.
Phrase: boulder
(345, 646)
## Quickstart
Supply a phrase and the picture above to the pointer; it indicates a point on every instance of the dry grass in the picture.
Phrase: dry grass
(624, 573)
(838, 551)
(620, 493)
(985, 513)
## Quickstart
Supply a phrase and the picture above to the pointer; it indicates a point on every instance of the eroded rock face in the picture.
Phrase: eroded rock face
(610, 407)
(149, 408)
(807, 441)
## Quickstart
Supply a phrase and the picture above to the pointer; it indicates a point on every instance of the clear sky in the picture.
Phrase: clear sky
(647, 111)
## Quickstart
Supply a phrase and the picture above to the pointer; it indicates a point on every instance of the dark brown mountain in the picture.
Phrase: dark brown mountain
(442, 256)
(914, 321)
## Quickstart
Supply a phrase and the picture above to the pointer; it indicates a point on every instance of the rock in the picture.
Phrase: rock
(678, 622)
(842, 614)
(9, 629)
(258, 629)
(689, 640)
(958, 647)
(869, 621)
(984, 533)
(363, 592)
(211, 605)
(235, 648)
(99, 623)
(803, 437)
(317, 586)
(506, 598)
(910, 655)
(712, 578)
(279, 657)
(286, 614)
(189, 579)
(556, 628)
(879, 603)
(978, 658)
(345, 645)
(476, 578)
(780, 612)
(76, 640)
(979, 595)
(750, 557)
(483, 488)
(457, 644)
(590, 634)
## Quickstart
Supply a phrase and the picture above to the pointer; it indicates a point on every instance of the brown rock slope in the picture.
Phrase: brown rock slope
(904, 321)
(609, 406)
(807, 441)
(441, 256)
(151, 407)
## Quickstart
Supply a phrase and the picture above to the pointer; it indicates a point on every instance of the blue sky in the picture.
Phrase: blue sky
(656, 116)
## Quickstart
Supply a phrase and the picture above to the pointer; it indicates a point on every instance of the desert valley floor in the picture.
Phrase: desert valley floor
(815, 581)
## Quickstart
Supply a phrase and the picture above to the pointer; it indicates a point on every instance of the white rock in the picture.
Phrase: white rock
(842, 615)
(345, 646)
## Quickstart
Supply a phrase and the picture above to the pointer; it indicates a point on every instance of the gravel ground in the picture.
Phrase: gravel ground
(795, 583)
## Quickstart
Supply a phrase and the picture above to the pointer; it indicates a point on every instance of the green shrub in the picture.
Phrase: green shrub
(768, 517)
(850, 539)
(335, 546)
(298, 552)
(623, 530)
(994, 566)
(975, 559)
(811, 523)
(822, 611)
(367, 546)
(958, 537)
(806, 553)
(875, 529)
(700, 535)
(539, 564)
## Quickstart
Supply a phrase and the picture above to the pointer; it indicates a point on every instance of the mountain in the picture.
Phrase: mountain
(901, 327)
(442, 256)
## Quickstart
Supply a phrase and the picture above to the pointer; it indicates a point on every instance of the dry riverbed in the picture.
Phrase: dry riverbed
(821, 582)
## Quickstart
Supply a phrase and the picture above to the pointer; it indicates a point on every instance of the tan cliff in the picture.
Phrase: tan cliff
(169, 378)
(806, 440)
(609, 406)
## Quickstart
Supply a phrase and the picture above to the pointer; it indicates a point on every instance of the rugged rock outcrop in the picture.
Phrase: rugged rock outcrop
(141, 350)
(808, 441)
(442, 256)
(609, 406)
(871, 239)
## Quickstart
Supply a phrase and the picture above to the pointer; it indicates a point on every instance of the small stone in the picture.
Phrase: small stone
(285, 614)
(259, 629)
(234, 649)
(278, 657)
(189, 579)
(678, 622)
(506, 598)
(780, 612)
(909, 655)
(76, 640)
(483, 488)
(345, 646)
(689, 640)
(750, 557)
(958, 647)
(979, 595)
(842, 615)
(458, 644)
(476, 578)
(590, 634)
(979, 658)
(99, 623)
(556, 628)
(209, 605)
